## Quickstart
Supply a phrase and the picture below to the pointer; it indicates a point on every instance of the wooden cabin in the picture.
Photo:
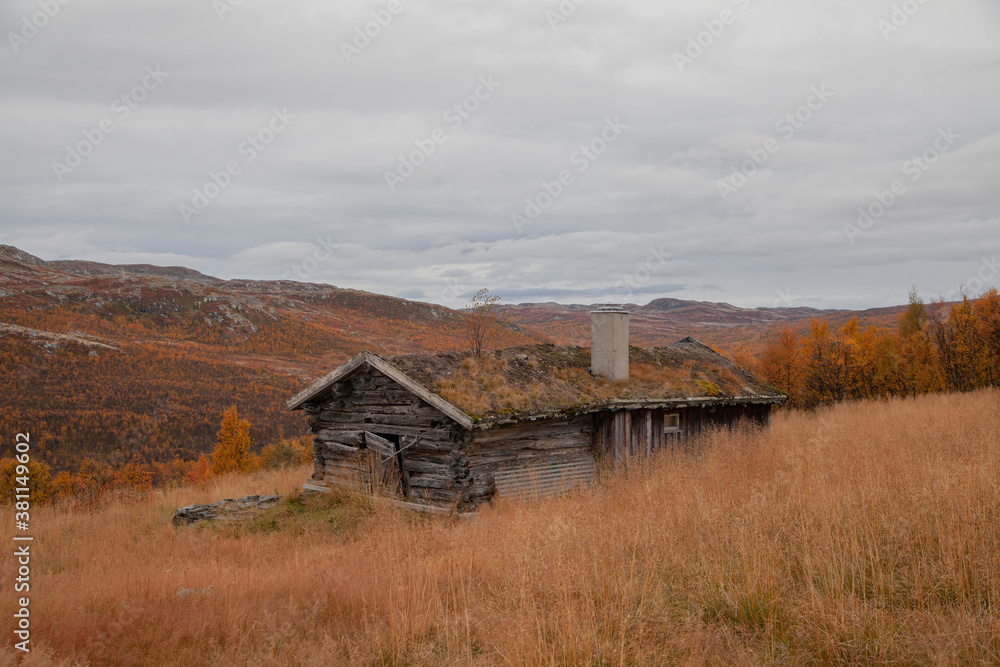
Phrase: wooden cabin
(450, 432)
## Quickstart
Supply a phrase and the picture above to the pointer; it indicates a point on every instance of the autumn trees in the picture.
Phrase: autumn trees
(987, 312)
(934, 348)
(232, 450)
(919, 369)
(781, 363)
(17, 477)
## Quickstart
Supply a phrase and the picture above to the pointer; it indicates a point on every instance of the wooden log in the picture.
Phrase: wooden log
(343, 436)
(386, 396)
(368, 417)
(559, 455)
(444, 457)
(562, 441)
(415, 411)
(534, 429)
(649, 434)
(440, 497)
(337, 448)
(431, 481)
(358, 465)
(415, 465)
(379, 444)
(422, 433)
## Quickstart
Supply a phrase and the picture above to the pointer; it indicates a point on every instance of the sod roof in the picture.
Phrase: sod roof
(537, 380)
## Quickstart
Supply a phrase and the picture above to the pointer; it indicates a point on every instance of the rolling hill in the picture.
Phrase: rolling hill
(125, 361)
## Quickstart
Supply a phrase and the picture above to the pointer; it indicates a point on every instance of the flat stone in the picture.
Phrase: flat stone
(224, 509)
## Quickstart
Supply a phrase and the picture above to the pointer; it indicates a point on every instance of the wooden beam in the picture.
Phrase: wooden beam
(379, 444)
(649, 434)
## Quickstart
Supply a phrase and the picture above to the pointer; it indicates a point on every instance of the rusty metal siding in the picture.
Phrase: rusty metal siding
(545, 478)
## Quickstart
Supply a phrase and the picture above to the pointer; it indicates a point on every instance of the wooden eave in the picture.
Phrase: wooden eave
(495, 420)
(368, 359)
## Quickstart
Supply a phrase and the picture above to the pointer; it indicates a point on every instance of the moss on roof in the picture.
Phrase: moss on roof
(535, 379)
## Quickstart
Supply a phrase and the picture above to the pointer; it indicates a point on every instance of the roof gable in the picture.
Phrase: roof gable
(368, 359)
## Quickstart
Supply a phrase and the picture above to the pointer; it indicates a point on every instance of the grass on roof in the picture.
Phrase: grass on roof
(531, 379)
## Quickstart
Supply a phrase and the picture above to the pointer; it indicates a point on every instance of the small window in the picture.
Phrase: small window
(671, 422)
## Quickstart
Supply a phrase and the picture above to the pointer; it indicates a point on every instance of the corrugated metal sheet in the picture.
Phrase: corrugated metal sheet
(540, 480)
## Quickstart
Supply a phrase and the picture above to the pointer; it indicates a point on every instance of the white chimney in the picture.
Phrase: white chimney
(609, 342)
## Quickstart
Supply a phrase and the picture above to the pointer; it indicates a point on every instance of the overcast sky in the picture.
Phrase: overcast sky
(717, 150)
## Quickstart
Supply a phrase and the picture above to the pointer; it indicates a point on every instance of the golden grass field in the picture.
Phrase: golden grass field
(863, 533)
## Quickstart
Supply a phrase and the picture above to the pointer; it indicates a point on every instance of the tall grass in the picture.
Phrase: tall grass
(864, 533)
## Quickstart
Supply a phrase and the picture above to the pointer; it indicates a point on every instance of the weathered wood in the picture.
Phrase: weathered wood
(649, 434)
(344, 464)
(534, 429)
(343, 436)
(415, 465)
(372, 365)
(580, 439)
(423, 433)
(436, 496)
(364, 416)
(500, 458)
(342, 477)
(338, 448)
(432, 481)
(380, 444)
(382, 396)
(414, 411)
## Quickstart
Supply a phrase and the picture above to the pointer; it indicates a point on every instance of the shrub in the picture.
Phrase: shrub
(12, 476)
(232, 451)
(285, 454)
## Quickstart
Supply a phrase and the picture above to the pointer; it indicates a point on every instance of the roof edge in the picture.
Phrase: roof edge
(626, 404)
(373, 360)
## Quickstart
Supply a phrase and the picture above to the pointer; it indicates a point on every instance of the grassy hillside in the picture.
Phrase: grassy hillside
(122, 362)
(863, 533)
(153, 402)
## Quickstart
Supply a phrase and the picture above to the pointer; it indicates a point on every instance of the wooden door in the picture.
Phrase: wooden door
(386, 472)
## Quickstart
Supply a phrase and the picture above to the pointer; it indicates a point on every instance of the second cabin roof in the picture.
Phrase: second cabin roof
(535, 381)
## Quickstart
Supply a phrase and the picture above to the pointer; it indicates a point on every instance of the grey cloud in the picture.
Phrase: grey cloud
(323, 178)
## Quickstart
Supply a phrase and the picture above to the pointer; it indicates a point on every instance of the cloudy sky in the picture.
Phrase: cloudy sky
(759, 152)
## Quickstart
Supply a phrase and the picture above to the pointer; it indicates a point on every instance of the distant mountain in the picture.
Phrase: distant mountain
(664, 321)
(304, 325)
(307, 328)
(83, 268)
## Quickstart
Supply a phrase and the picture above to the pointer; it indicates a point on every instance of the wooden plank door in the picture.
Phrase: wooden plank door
(385, 465)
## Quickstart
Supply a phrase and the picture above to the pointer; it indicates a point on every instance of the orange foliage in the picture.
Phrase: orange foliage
(232, 451)
(200, 472)
(31, 479)
(956, 349)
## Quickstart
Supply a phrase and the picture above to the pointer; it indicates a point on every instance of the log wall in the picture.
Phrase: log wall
(624, 437)
(351, 428)
(531, 459)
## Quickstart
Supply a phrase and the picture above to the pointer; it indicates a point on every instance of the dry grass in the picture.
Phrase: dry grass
(866, 533)
(542, 378)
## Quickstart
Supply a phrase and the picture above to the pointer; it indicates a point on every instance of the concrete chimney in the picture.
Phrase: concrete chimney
(609, 342)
